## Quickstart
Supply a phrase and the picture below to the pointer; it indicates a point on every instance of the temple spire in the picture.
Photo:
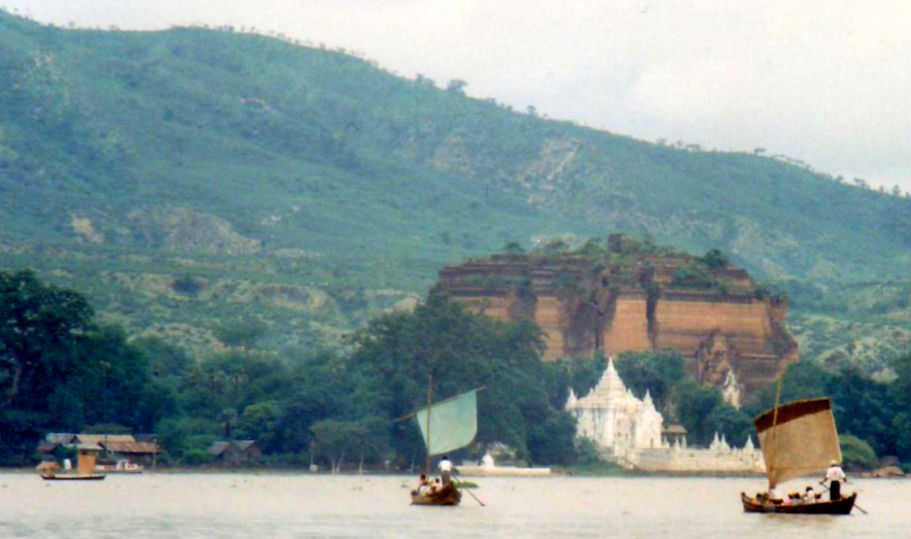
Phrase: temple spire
(572, 399)
(647, 401)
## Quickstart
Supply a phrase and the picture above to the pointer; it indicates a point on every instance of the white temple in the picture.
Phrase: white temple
(628, 431)
(612, 417)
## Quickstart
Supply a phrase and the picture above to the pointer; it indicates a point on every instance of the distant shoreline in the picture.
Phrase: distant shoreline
(557, 473)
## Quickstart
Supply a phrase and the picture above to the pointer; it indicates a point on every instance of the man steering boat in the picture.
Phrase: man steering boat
(835, 476)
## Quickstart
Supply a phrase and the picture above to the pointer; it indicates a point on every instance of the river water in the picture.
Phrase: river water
(254, 505)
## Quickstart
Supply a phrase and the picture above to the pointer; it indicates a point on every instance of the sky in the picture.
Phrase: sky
(826, 82)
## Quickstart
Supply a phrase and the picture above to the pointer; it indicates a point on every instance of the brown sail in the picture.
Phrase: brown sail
(798, 439)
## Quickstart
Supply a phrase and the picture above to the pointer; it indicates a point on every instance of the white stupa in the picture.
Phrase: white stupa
(731, 390)
(612, 417)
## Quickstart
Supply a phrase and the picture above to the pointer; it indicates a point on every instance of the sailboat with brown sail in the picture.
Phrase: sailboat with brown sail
(446, 426)
(797, 439)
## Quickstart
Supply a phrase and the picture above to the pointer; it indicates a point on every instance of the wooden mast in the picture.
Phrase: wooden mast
(773, 449)
(429, 407)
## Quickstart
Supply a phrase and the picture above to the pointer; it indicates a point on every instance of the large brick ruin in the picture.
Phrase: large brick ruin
(628, 300)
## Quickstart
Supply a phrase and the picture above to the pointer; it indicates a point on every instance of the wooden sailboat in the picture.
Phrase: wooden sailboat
(797, 439)
(841, 506)
(446, 426)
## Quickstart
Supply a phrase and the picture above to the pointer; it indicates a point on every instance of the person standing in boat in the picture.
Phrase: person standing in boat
(446, 469)
(835, 476)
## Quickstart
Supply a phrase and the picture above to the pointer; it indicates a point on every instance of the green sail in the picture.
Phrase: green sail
(453, 423)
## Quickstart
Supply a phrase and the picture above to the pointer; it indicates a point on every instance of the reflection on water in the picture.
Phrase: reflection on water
(291, 505)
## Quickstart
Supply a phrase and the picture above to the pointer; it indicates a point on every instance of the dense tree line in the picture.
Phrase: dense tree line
(60, 370)
(875, 412)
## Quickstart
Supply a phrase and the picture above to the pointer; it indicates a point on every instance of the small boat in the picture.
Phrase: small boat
(797, 439)
(454, 423)
(841, 506)
(448, 495)
(85, 467)
(76, 476)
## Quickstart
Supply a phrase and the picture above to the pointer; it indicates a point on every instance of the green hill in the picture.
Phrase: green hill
(189, 177)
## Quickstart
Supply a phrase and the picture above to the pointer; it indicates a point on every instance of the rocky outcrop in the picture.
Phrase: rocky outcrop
(629, 299)
(188, 230)
(84, 229)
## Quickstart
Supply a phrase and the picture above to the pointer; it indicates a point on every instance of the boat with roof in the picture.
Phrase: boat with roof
(85, 466)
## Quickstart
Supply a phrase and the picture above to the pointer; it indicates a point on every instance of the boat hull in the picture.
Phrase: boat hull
(842, 506)
(73, 477)
(448, 495)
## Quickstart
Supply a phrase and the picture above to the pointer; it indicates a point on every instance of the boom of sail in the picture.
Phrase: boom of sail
(797, 439)
(453, 423)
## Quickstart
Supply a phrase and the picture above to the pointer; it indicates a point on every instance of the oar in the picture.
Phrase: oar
(862, 510)
(460, 484)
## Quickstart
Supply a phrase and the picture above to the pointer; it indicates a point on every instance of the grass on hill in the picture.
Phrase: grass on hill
(154, 154)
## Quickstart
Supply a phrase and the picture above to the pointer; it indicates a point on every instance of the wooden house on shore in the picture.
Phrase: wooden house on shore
(235, 451)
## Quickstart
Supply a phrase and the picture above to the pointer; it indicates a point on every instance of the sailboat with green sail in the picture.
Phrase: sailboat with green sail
(446, 426)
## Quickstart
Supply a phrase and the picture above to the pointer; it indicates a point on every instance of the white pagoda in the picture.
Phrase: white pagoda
(612, 417)
(731, 390)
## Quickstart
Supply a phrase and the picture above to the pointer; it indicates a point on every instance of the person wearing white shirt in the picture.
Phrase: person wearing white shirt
(445, 469)
(835, 476)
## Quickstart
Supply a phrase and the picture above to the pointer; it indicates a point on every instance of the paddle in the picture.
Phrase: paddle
(825, 486)
(466, 489)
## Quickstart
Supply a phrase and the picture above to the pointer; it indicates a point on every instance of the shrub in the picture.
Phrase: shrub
(856, 453)
(692, 276)
(196, 456)
(713, 259)
(513, 248)
(186, 285)
(586, 452)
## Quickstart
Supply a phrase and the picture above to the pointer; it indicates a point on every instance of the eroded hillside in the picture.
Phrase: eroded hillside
(245, 165)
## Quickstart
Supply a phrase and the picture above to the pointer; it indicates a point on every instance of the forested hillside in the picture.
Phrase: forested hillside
(193, 180)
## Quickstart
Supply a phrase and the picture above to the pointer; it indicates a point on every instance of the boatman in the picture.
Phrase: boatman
(445, 469)
(835, 476)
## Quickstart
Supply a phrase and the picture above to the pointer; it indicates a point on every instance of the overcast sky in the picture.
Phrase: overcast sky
(823, 81)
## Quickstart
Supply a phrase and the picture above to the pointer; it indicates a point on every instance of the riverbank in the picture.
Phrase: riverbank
(590, 471)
